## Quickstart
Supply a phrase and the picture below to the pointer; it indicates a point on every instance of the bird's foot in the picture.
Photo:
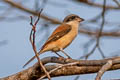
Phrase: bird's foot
(61, 58)
(69, 57)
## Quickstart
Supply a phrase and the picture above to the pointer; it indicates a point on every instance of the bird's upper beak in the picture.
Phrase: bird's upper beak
(82, 19)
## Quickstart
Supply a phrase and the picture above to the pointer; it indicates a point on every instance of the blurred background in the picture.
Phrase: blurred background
(99, 34)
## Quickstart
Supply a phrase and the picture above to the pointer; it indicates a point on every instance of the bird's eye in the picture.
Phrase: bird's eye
(73, 17)
(70, 18)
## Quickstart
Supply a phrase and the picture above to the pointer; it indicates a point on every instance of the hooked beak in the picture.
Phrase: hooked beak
(82, 19)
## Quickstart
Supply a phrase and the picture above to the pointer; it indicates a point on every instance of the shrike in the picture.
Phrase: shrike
(62, 36)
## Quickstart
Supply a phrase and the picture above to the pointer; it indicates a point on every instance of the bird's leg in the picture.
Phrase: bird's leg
(65, 53)
(58, 54)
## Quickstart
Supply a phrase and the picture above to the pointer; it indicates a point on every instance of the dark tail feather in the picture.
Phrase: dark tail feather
(30, 60)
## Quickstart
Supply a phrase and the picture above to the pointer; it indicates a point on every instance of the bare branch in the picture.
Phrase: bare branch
(105, 67)
(82, 67)
(59, 66)
(92, 4)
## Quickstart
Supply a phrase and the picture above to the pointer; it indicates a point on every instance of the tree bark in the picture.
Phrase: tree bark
(82, 67)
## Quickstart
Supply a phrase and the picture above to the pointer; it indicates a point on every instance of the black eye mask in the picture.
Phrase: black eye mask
(71, 18)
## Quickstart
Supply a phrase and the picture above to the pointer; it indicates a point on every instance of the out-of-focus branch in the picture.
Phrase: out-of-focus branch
(103, 34)
(117, 2)
(16, 5)
(99, 34)
(3, 42)
(55, 21)
(92, 4)
(81, 67)
(101, 29)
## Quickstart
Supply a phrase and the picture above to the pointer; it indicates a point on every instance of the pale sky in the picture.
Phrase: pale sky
(18, 49)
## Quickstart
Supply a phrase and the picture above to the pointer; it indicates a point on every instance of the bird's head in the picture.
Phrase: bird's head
(72, 17)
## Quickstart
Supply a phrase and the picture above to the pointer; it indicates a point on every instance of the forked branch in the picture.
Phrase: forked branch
(32, 40)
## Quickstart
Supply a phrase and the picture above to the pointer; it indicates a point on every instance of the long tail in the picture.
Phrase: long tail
(30, 60)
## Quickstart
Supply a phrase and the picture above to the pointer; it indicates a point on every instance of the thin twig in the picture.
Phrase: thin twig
(101, 29)
(77, 78)
(32, 34)
(100, 50)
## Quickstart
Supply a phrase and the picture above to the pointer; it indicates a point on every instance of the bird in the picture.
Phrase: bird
(62, 36)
